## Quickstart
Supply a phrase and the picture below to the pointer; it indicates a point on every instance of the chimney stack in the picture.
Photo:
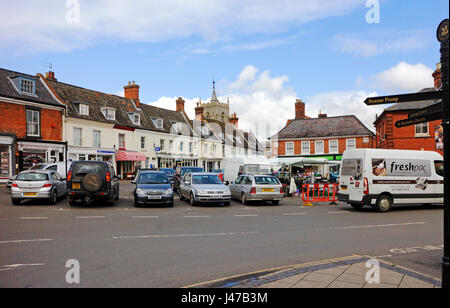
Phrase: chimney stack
(437, 75)
(199, 113)
(299, 109)
(234, 120)
(180, 104)
(322, 115)
(131, 91)
(50, 76)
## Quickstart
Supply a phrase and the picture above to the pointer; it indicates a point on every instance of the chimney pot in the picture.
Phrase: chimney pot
(131, 91)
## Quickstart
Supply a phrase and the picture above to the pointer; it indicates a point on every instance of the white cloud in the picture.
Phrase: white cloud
(264, 103)
(403, 77)
(41, 24)
(383, 42)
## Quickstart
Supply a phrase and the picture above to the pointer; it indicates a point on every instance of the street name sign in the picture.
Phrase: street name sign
(403, 98)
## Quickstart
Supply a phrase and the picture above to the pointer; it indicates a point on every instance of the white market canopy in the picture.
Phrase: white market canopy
(301, 161)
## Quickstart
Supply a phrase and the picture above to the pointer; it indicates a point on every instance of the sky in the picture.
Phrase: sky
(263, 54)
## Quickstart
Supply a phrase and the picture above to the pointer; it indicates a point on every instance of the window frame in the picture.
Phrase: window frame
(38, 123)
(105, 112)
(330, 147)
(287, 148)
(309, 147)
(420, 134)
(80, 138)
(323, 146)
(347, 144)
(94, 134)
(83, 109)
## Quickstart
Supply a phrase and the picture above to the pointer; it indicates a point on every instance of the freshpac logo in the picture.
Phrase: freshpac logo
(409, 168)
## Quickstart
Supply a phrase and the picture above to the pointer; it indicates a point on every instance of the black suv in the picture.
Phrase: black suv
(92, 180)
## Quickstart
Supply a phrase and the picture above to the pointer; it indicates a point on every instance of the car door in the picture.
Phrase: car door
(233, 187)
(185, 188)
(61, 183)
(55, 182)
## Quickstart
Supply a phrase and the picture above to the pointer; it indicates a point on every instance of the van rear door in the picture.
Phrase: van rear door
(351, 180)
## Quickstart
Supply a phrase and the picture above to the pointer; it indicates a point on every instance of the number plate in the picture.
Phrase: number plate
(155, 197)
(30, 194)
(268, 190)
(216, 197)
(76, 185)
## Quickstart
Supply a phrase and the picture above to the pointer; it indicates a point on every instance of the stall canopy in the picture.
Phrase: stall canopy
(130, 156)
(301, 161)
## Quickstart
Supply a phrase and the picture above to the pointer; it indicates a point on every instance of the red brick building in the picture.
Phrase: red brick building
(31, 129)
(322, 137)
(417, 137)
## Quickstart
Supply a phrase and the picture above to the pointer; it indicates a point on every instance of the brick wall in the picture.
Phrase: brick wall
(342, 143)
(404, 138)
(14, 121)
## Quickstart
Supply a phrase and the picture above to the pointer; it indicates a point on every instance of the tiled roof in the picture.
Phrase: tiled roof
(7, 89)
(73, 95)
(323, 127)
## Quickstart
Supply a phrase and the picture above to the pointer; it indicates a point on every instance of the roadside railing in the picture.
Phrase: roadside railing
(324, 192)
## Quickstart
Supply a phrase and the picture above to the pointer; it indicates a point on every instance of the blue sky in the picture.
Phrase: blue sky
(263, 54)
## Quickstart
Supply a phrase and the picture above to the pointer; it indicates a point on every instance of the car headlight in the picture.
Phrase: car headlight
(202, 192)
(139, 192)
(169, 191)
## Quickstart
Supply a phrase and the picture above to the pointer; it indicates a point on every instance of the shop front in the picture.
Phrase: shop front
(209, 165)
(127, 162)
(31, 153)
(7, 158)
(167, 161)
(98, 154)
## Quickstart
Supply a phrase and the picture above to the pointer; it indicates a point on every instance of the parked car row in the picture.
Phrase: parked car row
(88, 181)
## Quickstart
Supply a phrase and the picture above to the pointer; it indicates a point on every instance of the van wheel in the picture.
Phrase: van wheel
(384, 203)
(357, 206)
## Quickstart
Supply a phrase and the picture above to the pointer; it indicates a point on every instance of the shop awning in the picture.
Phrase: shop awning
(129, 156)
(301, 161)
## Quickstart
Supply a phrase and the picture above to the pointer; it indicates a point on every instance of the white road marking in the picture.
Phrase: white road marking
(338, 212)
(199, 216)
(33, 217)
(253, 215)
(144, 216)
(182, 235)
(25, 241)
(293, 214)
(18, 266)
(373, 226)
(90, 217)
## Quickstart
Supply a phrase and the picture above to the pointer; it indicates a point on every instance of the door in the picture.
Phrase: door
(246, 186)
(234, 188)
(186, 188)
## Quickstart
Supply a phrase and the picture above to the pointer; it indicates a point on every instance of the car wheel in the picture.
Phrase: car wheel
(117, 196)
(244, 199)
(384, 203)
(135, 203)
(357, 206)
(192, 200)
(275, 202)
(170, 204)
(16, 201)
(54, 197)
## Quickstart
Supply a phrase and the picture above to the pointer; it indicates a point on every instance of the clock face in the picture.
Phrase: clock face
(442, 32)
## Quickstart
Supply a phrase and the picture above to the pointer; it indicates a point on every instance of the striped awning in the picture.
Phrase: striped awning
(129, 156)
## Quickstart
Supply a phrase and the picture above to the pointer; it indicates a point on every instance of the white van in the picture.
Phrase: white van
(59, 167)
(382, 178)
(237, 165)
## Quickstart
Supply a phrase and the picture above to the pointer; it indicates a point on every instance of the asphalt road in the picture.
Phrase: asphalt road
(122, 246)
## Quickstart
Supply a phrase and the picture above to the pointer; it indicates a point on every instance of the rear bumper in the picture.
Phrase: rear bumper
(39, 195)
(264, 197)
(84, 195)
(367, 199)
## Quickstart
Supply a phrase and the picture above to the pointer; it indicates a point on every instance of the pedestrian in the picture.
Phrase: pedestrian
(292, 187)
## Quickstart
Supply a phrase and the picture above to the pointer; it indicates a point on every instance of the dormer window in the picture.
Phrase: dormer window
(24, 85)
(205, 131)
(135, 118)
(109, 113)
(177, 127)
(159, 123)
(84, 109)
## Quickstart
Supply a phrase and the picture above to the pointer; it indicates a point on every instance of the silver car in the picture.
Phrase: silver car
(38, 184)
(250, 187)
(204, 188)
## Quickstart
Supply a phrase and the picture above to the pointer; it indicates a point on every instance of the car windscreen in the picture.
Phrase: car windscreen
(83, 169)
(37, 167)
(188, 170)
(153, 178)
(205, 179)
(30, 177)
(168, 171)
(266, 180)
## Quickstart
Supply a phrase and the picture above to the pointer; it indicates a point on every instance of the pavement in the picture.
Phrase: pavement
(251, 246)
(347, 272)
